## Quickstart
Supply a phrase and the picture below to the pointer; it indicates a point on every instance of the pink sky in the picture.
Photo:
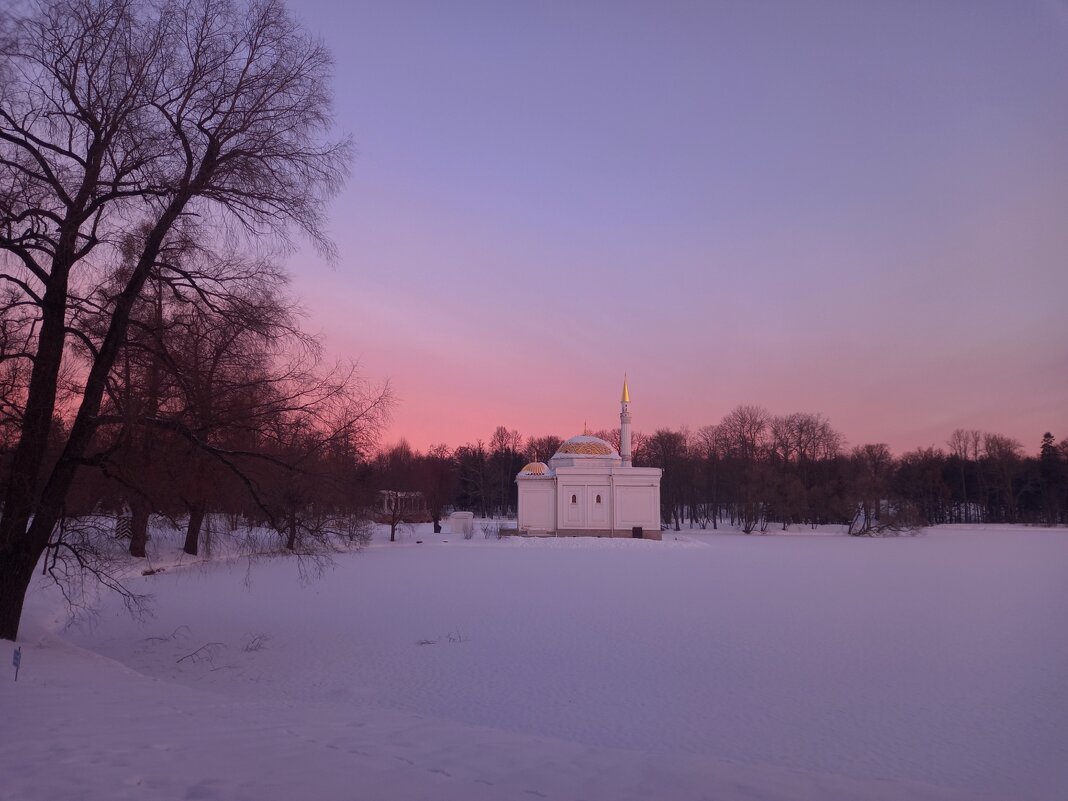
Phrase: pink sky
(853, 209)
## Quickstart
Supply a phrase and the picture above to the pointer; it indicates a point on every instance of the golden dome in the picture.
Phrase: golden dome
(535, 469)
(586, 446)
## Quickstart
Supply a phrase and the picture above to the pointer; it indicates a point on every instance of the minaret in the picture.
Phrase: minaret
(624, 424)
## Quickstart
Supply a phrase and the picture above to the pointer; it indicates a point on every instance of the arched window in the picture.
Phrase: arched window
(598, 499)
(574, 499)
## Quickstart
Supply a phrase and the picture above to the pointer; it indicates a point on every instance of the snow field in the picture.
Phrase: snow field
(712, 665)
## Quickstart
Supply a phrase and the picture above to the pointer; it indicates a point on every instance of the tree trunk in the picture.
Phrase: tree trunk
(16, 571)
(17, 532)
(964, 492)
(291, 540)
(20, 545)
(192, 531)
(21, 541)
(139, 529)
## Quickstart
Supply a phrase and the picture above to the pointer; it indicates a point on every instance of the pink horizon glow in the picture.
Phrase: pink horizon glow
(851, 210)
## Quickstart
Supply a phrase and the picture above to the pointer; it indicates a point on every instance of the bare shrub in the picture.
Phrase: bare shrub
(82, 555)
(892, 520)
(255, 642)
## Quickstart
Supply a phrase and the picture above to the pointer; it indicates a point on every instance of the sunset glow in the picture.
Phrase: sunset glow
(851, 209)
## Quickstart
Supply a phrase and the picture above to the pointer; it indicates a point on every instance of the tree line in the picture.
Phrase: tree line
(757, 471)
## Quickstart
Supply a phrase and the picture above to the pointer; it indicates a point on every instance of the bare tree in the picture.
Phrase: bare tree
(709, 449)
(919, 480)
(472, 462)
(235, 365)
(439, 480)
(668, 450)
(542, 449)
(878, 511)
(745, 431)
(17, 332)
(1000, 463)
(176, 119)
(396, 473)
(505, 460)
(964, 445)
(1053, 479)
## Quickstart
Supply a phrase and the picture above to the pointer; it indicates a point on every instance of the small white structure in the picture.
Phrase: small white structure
(588, 489)
(460, 523)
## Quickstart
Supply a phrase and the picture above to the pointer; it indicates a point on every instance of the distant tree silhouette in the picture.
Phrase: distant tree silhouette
(438, 480)
(542, 448)
(1054, 478)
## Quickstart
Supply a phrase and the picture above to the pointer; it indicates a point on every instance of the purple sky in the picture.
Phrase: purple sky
(853, 208)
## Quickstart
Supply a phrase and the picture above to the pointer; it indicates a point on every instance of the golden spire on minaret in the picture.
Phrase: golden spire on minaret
(626, 392)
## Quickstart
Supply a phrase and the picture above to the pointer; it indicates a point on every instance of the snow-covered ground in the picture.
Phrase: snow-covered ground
(718, 666)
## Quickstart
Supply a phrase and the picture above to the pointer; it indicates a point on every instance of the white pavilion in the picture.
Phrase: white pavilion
(588, 489)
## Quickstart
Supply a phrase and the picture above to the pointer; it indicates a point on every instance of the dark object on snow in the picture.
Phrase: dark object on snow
(123, 527)
(152, 571)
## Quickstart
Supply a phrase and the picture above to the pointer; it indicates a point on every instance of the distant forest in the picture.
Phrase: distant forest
(759, 472)
(269, 460)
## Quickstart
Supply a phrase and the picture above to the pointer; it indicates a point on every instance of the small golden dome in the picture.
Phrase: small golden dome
(535, 469)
